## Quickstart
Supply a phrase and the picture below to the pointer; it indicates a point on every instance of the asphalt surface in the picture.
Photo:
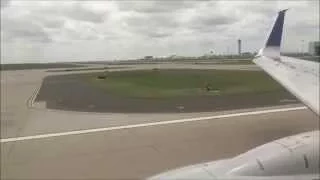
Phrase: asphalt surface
(124, 153)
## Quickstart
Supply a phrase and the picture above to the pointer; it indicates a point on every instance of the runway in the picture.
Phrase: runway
(126, 146)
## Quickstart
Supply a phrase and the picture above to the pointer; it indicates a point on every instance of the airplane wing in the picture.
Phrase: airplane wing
(294, 157)
(300, 77)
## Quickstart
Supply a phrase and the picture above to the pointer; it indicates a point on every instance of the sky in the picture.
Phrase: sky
(40, 31)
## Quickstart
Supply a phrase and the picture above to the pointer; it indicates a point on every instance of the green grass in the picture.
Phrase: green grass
(173, 83)
(245, 62)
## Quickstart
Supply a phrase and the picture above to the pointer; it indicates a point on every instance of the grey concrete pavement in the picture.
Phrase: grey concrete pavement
(141, 152)
(18, 88)
(125, 153)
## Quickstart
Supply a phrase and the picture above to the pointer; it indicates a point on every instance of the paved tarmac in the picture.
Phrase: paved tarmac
(85, 146)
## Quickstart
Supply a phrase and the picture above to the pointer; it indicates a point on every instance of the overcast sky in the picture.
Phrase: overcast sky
(55, 31)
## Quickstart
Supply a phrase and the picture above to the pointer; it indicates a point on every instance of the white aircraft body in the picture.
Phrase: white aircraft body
(289, 158)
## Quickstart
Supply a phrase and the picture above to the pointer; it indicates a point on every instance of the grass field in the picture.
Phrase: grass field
(225, 61)
(182, 83)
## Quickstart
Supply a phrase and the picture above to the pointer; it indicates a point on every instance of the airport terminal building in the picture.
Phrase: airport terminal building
(314, 48)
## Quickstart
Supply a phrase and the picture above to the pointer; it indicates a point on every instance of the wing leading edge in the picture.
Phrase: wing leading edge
(298, 76)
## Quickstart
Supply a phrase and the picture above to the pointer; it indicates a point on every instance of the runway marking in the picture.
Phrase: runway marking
(30, 101)
(86, 131)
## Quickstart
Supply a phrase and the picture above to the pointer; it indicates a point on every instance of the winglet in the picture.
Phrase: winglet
(273, 44)
(276, 33)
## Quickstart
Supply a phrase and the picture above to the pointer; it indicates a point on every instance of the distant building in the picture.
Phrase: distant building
(239, 46)
(172, 56)
(246, 54)
(148, 57)
(314, 48)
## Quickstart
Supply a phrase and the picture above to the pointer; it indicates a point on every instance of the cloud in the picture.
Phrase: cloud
(73, 10)
(18, 29)
(81, 13)
(154, 6)
(51, 22)
(48, 21)
(73, 31)
(152, 26)
(5, 3)
(211, 23)
(132, 29)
